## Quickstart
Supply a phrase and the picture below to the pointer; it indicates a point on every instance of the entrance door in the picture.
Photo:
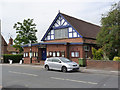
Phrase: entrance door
(43, 53)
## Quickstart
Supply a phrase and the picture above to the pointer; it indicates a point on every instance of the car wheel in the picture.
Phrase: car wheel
(46, 67)
(64, 69)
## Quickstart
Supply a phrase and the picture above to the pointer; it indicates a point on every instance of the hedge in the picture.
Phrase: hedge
(16, 58)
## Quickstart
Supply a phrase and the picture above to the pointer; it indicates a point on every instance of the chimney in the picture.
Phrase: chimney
(10, 41)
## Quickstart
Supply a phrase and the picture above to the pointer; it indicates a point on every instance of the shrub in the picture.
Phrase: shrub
(116, 59)
(16, 58)
(97, 54)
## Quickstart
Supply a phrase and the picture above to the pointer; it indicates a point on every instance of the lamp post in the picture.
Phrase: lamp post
(30, 45)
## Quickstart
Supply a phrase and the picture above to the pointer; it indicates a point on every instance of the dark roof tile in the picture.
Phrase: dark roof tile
(86, 29)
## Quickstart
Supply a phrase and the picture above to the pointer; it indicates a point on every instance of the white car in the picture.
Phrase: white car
(60, 63)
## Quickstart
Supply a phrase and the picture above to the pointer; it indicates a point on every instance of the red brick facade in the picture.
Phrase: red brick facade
(27, 50)
(67, 40)
(67, 49)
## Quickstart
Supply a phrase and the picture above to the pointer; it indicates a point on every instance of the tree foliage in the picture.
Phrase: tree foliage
(26, 33)
(97, 54)
(109, 36)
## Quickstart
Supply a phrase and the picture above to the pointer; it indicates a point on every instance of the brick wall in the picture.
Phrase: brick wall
(89, 40)
(27, 59)
(57, 48)
(76, 48)
(107, 65)
(67, 40)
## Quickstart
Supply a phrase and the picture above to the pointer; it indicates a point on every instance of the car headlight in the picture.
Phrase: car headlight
(70, 64)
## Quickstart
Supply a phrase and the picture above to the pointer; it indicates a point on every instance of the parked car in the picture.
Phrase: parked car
(60, 63)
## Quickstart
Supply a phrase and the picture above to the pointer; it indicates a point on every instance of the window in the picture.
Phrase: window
(70, 29)
(75, 54)
(50, 60)
(70, 32)
(52, 31)
(36, 54)
(47, 53)
(86, 48)
(50, 53)
(55, 60)
(72, 54)
(86, 55)
(31, 54)
(52, 36)
(48, 37)
(24, 55)
(61, 33)
(70, 35)
(74, 33)
(58, 54)
(54, 54)
(63, 53)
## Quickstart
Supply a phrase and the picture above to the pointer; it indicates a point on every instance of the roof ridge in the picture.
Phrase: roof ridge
(80, 19)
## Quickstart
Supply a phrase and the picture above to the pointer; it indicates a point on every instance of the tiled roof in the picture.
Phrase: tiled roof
(86, 29)
(10, 48)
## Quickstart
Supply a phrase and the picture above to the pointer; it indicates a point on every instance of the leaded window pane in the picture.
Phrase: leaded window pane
(61, 33)
(74, 34)
(48, 37)
(52, 36)
(58, 54)
(52, 31)
(53, 54)
(76, 54)
(72, 54)
(70, 29)
(70, 35)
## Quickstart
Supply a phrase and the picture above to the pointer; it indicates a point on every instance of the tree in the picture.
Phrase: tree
(97, 54)
(26, 33)
(109, 36)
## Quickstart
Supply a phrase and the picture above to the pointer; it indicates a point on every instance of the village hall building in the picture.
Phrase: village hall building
(66, 37)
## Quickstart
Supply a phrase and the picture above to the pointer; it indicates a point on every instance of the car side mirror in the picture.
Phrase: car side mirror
(59, 61)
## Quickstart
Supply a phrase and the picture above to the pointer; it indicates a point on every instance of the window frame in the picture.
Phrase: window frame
(51, 54)
(75, 54)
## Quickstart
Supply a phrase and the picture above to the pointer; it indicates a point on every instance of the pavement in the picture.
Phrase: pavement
(82, 69)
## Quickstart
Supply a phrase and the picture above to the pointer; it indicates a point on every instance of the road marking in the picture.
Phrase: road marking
(73, 80)
(114, 71)
(38, 66)
(23, 73)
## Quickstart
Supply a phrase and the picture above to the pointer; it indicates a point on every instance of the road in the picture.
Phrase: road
(14, 76)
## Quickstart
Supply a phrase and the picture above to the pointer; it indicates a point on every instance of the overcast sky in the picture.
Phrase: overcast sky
(44, 11)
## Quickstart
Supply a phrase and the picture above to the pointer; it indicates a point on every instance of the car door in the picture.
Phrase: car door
(49, 62)
(56, 64)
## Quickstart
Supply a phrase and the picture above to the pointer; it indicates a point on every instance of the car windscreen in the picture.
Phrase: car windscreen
(64, 59)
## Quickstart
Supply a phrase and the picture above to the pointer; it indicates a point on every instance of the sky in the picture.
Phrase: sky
(44, 12)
